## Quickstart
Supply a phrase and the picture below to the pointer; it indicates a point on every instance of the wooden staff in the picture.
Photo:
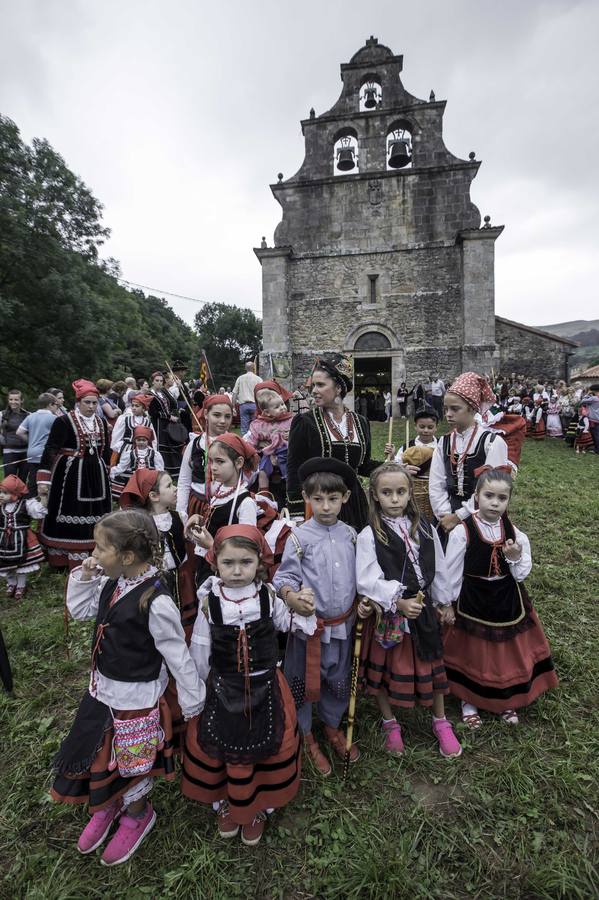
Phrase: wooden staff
(407, 432)
(178, 381)
(389, 456)
(351, 711)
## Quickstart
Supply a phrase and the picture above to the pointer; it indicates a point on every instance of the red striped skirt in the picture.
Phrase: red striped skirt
(407, 679)
(99, 786)
(249, 789)
(583, 441)
(499, 675)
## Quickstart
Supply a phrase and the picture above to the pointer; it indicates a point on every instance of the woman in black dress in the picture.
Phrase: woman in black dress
(74, 468)
(164, 414)
(330, 430)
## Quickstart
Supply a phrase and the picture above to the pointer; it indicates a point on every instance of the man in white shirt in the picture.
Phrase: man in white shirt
(437, 394)
(243, 393)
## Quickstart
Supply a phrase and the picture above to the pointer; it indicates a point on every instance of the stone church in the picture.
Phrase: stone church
(381, 254)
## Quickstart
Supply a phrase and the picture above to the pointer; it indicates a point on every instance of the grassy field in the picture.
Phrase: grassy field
(516, 816)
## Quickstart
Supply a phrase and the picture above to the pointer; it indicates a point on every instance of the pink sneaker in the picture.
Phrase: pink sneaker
(128, 837)
(393, 741)
(449, 746)
(96, 830)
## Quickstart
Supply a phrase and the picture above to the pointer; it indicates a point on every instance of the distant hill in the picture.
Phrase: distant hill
(586, 333)
(571, 329)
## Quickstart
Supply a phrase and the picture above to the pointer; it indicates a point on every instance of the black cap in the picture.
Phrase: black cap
(178, 365)
(328, 464)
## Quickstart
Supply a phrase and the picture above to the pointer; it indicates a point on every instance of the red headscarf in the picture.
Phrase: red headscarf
(242, 448)
(140, 431)
(212, 400)
(474, 390)
(83, 388)
(273, 386)
(246, 531)
(14, 486)
(143, 399)
(137, 490)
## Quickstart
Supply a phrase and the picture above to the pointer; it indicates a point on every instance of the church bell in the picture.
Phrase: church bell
(370, 96)
(399, 150)
(346, 156)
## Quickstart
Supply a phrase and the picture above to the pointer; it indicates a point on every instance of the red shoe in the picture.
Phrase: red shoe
(318, 758)
(252, 834)
(96, 830)
(10, 590)
(129, 835)
(336, 739)
(227, 828)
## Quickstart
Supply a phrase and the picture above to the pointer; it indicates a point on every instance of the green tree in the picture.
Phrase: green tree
(64, 313)
(229, 336)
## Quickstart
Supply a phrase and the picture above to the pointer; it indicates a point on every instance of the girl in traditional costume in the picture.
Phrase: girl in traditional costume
(122, 433)
(496, 654)
(465, 448)
(122, 737)
(74, 470)
(20, 550)
(231, 461)
(243, 756)
(401, 568)
(139, 454)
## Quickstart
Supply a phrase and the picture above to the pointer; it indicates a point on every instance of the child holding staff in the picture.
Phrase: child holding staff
(400, 566)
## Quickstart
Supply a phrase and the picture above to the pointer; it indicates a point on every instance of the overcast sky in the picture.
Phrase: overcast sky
(178, 116)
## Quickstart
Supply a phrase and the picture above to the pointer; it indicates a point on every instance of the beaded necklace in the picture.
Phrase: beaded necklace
(456, 460)
(338, 434)
(241, 599)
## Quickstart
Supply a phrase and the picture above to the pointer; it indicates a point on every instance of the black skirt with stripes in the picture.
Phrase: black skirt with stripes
(269, 783)
(98, 785)
(408, 680)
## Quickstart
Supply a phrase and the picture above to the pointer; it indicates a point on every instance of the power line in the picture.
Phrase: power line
(146, 287)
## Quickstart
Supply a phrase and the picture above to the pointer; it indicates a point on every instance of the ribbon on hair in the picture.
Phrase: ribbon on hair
(482, 469)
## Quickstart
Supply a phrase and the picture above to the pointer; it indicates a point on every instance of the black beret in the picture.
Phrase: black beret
(328, 464)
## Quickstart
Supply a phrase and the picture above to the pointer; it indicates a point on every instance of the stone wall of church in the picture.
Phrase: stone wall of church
(527, 353)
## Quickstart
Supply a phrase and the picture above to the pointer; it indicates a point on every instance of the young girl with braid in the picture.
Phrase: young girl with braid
(121, 737)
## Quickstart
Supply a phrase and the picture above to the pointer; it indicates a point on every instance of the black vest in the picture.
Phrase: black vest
(396, 564)
(13, 533)
(174, 538)
(126, 649)
(494, 608)
(219, 515)
(198, 462)
(476, 458)
(129, 426)
(261, 639)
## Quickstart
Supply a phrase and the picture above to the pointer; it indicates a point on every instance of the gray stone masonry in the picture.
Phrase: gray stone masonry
(395, 251)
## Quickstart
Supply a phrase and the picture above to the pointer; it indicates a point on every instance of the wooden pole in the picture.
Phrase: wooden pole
(407, 432)
(351, 711)
(389, 456)
(178, 381)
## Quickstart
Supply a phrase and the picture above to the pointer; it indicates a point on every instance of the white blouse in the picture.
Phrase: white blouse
(239, 613)
(125, 463)
(116, 438)
(247, 513)
(184, 483)
(496, 455)
(371, 580)
(456, 550)
(164, 622)
(163, 522)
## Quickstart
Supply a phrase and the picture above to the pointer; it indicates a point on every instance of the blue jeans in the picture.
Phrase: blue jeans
(247, 411)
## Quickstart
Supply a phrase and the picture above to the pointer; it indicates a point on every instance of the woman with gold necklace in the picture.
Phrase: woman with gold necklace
(330, 430)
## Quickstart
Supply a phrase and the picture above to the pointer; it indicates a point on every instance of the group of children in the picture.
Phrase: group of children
(192, 586)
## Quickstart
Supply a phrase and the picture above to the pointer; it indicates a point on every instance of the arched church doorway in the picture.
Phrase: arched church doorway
(372, 374)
